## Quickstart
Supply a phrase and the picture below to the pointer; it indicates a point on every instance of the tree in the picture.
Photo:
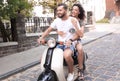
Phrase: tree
(70, 3)
(9, 10)
(2, 29)
(51, 4)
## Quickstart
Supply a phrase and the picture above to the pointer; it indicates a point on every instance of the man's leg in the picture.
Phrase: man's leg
(68, 58)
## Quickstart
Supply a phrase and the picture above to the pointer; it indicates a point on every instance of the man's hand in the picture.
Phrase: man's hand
(68, 43)
(41, 40)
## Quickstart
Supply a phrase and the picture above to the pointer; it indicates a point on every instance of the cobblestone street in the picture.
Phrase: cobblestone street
(103, 63)
(104, 59)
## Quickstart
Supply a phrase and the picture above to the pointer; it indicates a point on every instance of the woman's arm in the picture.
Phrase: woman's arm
(79, 30)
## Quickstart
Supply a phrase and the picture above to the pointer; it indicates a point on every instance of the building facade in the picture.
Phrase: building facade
(98, 8)
(112, 8)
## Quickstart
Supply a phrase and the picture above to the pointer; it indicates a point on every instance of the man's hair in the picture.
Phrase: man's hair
(64, 5)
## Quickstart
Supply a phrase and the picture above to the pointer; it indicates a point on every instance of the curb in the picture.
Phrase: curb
(3, 76)
(97, 38)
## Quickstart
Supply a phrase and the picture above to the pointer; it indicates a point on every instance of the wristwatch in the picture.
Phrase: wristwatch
(71, 40)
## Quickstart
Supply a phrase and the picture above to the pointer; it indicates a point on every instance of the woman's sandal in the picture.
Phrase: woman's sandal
(80, 75)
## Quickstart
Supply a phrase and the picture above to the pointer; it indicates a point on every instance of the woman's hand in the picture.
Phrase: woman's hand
(61, 33)
(68, 43)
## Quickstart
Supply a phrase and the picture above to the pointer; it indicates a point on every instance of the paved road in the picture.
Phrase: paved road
(103, 63)
(104, 59)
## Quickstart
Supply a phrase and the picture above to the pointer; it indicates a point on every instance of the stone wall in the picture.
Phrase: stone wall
(26, 44)
(23, 42)
(8, 49)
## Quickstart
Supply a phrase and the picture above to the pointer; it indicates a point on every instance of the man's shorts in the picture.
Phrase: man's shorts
(63, 47)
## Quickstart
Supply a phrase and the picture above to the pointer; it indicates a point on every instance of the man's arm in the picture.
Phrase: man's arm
(46, 32)
(41, 39)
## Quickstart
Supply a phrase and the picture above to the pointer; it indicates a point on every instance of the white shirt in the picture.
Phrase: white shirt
(65, 26)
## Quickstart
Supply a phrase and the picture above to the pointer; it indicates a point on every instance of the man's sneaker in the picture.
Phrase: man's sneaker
(70, 77)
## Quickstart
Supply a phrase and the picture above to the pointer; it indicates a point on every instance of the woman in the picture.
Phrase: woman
(79, 13)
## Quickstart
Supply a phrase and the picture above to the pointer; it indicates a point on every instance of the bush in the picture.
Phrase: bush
(105, 20)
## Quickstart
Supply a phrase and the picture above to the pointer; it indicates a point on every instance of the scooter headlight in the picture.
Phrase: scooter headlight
(51, 42)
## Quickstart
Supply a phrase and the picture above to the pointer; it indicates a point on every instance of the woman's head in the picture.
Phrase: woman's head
(78, 11)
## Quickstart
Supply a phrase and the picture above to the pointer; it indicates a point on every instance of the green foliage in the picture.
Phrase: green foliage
(12, 7)
(2, 9)
(49, 4)
(105, 20)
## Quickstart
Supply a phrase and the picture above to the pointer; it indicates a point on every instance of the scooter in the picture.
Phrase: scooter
(53, 65)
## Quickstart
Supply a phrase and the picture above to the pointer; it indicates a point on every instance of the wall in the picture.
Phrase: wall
(29, 42)
(11, 48)
(111, 9)
(98, 8)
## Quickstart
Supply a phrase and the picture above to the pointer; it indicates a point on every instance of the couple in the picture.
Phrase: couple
(63, 23)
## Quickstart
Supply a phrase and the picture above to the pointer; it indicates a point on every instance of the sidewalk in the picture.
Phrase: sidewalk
(20, 61)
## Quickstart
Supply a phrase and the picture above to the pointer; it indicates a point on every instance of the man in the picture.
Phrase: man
(64, 24)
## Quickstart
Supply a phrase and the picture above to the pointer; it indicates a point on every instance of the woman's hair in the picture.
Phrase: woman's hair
(81, 10)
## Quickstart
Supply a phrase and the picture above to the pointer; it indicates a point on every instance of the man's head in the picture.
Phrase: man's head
(61, 10)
